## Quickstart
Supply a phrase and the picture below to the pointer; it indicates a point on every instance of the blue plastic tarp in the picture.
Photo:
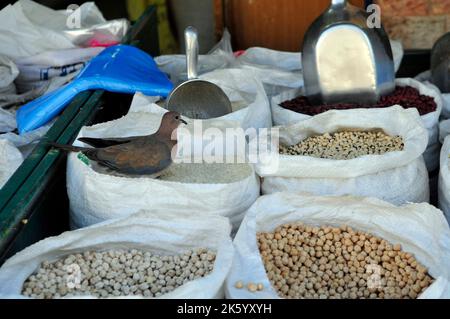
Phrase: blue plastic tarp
(120, 68)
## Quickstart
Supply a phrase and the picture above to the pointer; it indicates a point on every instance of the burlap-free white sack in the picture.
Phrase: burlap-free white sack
(444, 179)
(444, 130)
(425, 77)
(282, 116)
(96, 197)
(245, 89)
(10, 160)
(419, 228)
(397, 177)
(157, 231)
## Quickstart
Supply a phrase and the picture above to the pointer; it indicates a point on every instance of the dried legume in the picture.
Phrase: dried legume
(304, 261)
(345, 145)
(406, 96)
(116, 273)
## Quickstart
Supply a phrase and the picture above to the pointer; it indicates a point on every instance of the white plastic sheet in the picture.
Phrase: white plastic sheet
(25, 24)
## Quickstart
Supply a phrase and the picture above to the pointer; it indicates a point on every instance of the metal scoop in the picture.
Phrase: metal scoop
(345, 60)
(440, 63)
(197, 99)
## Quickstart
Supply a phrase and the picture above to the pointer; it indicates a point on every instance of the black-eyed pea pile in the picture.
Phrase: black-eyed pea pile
(324, 262)
(345, 145)
(117, 273)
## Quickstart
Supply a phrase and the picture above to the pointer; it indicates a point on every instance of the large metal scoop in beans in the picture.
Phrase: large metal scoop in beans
(197, 99)
(345, 58)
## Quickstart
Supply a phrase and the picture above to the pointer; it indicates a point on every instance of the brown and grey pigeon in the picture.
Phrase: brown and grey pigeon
(137, 155)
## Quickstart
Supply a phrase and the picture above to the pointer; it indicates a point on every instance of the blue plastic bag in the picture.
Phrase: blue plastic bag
(120, 68)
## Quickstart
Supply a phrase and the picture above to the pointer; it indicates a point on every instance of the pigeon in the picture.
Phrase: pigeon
(136, 155)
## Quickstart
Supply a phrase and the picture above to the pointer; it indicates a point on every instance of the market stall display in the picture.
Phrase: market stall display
(337, 209)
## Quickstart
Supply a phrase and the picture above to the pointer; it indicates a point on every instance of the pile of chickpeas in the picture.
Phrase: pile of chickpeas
(304, 261)
(345, 145)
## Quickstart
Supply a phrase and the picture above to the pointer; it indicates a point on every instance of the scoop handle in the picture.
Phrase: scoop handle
(191, 39)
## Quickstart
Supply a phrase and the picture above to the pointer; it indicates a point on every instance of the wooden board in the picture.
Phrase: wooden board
(279, 24)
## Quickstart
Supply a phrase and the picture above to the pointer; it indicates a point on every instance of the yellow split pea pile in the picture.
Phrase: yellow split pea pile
(345, 145)
(304, 261)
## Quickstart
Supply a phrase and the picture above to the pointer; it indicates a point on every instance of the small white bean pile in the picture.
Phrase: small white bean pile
(325, 262)
(345, 145)
(116, 273)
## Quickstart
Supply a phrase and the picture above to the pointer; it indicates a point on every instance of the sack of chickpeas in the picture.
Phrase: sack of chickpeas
(364, 152)
(444, 179)
(292, 245)
(291, 107)
(96, 194)
(152, 254)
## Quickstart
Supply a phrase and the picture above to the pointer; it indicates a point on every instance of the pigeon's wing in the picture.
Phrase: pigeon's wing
(135, 158)
(105, 142)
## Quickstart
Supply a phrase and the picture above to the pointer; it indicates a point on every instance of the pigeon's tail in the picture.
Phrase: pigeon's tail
(68, 148)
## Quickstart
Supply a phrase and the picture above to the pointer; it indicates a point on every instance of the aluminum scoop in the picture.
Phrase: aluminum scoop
(197, 99)
(440, 63)
(344, 60)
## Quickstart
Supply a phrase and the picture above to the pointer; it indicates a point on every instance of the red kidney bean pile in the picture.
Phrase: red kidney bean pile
(405, 96)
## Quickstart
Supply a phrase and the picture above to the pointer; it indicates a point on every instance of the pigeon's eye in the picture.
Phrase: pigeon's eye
(177, 117)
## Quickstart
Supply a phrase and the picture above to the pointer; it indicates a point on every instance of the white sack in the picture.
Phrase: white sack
(282, 116)
(8, 73)
(397, 177)
(25, 143)
(444, 130)
(7, 120)
(156, 231)
(96, 197)
(10, 160)
(59, 58)
(444, 180)
(425, 77)
(24, 24)
(419, 228)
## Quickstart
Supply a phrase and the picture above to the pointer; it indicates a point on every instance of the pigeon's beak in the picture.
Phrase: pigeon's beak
(183, 121)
